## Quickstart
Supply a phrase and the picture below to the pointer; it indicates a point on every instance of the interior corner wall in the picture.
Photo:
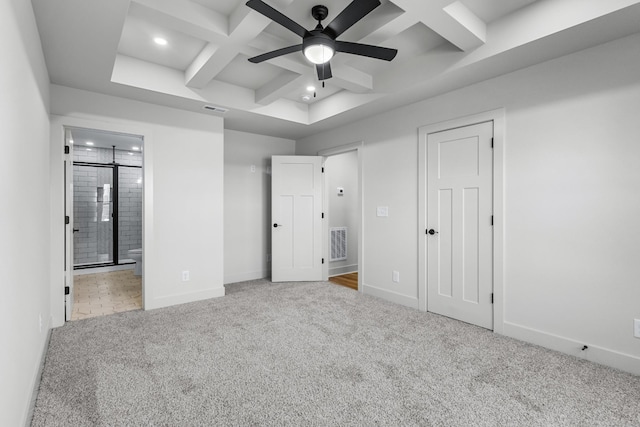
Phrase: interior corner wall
(182, 188)
(247, 203)
(24, 216)
(571, 198)
(341, 171)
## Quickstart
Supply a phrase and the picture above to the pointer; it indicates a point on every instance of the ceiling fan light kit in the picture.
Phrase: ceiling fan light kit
(319, 45)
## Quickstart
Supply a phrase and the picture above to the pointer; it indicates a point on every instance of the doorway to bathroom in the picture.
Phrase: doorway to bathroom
(107, 199)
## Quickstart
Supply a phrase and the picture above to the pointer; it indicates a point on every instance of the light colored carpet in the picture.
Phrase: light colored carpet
(315, 354)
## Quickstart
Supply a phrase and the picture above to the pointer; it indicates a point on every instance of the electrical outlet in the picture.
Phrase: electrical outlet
(185, 276)
(396, 276)
(253, 168)
(382, 211)
(636, 328)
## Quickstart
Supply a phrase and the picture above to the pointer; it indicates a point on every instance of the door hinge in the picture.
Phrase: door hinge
(491, 142)
(322, 170)
(492, 298)
(66, 149)
(66, 220)
(323, 260)
(491, 219)
(322, 215)
(66, 290)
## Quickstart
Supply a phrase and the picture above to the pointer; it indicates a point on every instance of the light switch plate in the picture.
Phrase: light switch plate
(382, 211)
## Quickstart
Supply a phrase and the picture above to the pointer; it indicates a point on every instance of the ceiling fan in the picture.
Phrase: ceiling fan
(320, 44)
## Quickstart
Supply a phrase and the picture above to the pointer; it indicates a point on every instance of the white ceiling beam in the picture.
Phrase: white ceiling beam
(452, 20)
(245, 25)
(280, 87)
(351, 79)
(390, 29)
(212, 60)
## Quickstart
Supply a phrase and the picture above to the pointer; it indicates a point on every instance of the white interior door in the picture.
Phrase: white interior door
(68, 232)
(459, 221)
(296, 215)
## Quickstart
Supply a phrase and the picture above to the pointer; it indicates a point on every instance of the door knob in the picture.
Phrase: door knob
(432, 231)
(76, 230)
(277, 225)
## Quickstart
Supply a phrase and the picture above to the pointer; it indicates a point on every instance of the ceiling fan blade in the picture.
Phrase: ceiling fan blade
(274, 15)
(275, 53)
(351, 14)
(324, 71)
(376, 52)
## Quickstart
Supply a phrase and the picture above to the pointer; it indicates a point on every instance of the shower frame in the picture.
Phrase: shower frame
(114, 213)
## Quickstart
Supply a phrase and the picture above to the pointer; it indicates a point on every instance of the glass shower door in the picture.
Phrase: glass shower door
(93, 215)
(129, 211)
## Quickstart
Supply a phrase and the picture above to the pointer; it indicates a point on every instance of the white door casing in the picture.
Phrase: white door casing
(68, 208)
(459, 223)
(296, 217)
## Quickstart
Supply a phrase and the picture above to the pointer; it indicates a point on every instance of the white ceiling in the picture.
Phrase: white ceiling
(88, 138)
(107, 47)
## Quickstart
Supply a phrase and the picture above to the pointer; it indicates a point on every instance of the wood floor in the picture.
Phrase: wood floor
(349, 280)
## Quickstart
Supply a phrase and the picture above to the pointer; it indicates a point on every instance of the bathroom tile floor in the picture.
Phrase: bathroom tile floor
(101, 294)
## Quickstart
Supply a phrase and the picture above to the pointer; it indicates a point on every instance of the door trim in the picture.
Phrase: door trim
(358, 147)
(57, 141)
(498, 118)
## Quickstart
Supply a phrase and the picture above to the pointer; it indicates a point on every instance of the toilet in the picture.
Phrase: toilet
(136, 255)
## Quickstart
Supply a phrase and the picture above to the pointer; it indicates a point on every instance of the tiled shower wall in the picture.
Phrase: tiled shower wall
(91, 207)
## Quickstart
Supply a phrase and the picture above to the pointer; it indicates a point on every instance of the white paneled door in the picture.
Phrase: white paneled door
(459, 223)
(296, 216)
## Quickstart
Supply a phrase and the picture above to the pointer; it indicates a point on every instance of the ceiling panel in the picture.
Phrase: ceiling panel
(241, 72)
(490, 10)
(137, 42)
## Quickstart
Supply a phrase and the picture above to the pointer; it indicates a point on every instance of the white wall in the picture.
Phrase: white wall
(572, 186)
(247, 203)
(341, 170)
(24, 216)
(183, 190)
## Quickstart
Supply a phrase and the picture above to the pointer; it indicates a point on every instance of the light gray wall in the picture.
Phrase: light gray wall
(183, 190)
(341, 170)
(24, 217)
(572, 186)
(247, 203)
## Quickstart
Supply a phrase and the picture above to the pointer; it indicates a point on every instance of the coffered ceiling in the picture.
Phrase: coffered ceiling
(108, 47)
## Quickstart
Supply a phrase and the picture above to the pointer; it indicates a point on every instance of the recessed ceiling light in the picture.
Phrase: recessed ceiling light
(160, 41)
(311, 88)
(135, 148)
(89, 149)
(130, 153)
(306, 98)
(89, 142)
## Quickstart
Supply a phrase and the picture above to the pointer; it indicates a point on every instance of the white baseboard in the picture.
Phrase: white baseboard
(243, 277)
(390, 296)
(36, 381)
(336, 271)
(183, 298)
(603, 356)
